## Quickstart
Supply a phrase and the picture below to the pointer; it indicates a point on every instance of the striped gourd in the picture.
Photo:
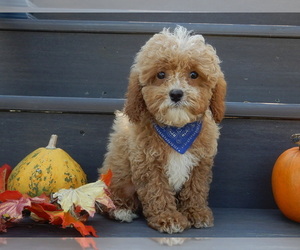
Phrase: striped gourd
(46, 170)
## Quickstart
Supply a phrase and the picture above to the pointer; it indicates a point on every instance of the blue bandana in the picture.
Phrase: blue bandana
(182, 138)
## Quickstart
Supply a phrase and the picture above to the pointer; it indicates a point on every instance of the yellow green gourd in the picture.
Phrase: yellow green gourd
(46, 170)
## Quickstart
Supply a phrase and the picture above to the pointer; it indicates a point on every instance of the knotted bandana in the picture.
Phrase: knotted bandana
(182, 138)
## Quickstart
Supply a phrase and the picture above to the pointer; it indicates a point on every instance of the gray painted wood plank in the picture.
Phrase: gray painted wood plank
(110, 105)
(263, 110)
(278, 18)
(245, 223)
(132, 6)
(228, 223)
(61, 104)
(248, 149)
(157, 243)
(97, 65)
(121, 27)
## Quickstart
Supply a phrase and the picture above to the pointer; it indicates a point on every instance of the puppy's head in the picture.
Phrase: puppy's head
(175, 78)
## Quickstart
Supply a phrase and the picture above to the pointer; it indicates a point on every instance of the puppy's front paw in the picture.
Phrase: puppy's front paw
(200, 217)
(169, 222)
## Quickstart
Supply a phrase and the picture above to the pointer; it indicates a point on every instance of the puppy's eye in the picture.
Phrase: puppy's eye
(161, 75)
(194, 75)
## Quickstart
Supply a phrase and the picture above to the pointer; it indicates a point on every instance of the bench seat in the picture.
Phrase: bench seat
(229, 222)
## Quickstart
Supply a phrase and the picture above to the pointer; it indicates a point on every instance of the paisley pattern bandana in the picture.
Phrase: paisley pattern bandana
(180, 139)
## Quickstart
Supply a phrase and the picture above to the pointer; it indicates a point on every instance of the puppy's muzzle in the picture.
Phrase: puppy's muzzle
(176, 95)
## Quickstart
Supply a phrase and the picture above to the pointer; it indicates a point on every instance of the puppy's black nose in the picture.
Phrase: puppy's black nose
(176, 95)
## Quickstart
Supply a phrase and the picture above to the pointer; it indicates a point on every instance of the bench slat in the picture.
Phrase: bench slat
(97, 65)
(121, 27)
(110, 105)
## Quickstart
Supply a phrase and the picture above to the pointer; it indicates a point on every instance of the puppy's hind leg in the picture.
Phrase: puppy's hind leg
(125, 199)
(122, 191)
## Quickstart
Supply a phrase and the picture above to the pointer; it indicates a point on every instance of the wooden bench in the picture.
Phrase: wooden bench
(67, 77)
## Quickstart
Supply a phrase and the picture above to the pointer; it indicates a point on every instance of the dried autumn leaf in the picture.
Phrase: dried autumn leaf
(40, 199)
(10, 195)
(16, 195)
(106, 178)
(55, 216)
(2, 226)
(105, 200)
(13, 203)
(84, 197)
(5, 171)
(14, 208)
(42, 211)
(68, 220)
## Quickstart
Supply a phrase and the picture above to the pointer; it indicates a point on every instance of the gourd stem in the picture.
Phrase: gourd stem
(296, 139)
(52, 142)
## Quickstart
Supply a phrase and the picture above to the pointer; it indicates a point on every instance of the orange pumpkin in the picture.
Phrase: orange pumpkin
(286, 181)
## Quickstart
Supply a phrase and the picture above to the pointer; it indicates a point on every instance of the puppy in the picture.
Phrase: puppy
(163, 144)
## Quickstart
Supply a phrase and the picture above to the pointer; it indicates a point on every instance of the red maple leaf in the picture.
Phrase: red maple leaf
(12, 204)
(10, 195)
(68, 220)
(5, 171)
(106, 178)
(57, 216)
(14, 208)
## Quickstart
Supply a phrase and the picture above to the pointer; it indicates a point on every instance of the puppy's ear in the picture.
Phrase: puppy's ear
(217, 104)
(135, 104)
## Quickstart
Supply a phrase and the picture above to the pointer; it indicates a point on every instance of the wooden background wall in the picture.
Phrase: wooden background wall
(66, 74)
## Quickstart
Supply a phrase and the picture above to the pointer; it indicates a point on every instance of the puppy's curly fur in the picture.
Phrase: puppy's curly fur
(170, 188)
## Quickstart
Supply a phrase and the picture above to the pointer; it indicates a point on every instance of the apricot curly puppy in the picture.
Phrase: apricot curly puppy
(163, 145)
